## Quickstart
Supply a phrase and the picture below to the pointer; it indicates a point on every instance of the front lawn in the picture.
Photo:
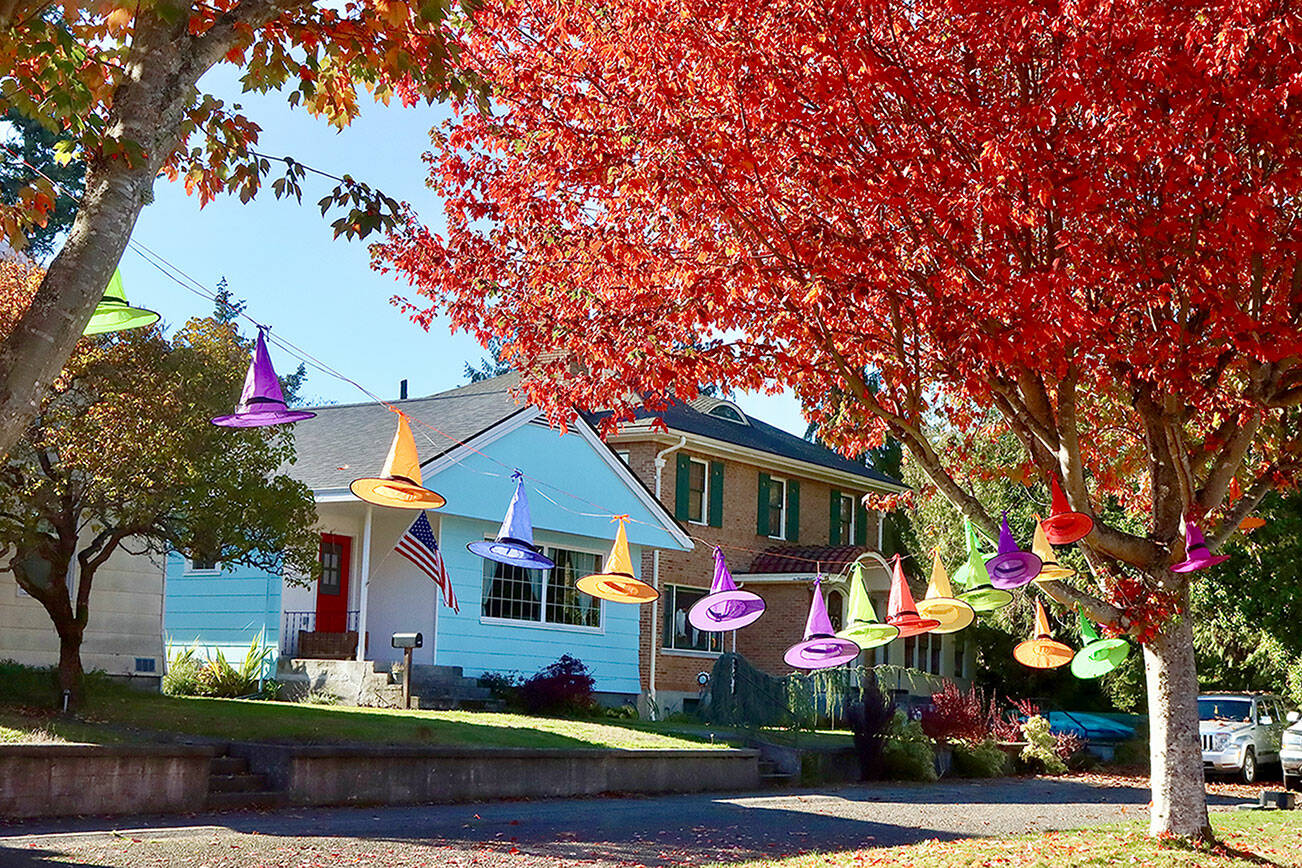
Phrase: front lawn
(1248, 839)
(114, 714)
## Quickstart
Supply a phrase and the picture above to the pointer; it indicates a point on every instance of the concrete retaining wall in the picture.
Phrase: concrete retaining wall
(52, 780)
(334, 775)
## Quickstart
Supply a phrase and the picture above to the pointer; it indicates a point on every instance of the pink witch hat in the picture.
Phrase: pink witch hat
(1196, 554)
(725, 607)
(1012, 567)
(820, 649)
(262, 402)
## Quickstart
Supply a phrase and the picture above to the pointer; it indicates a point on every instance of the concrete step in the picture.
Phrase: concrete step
(241, 783)
(229, 765)
(244, 800)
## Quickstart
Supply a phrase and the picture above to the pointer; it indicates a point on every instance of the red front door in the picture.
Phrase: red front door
(332, 587)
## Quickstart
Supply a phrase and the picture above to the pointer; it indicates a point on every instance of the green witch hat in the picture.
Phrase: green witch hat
(113, 314)
(1099, 656)
(861, 624)
(973, 575)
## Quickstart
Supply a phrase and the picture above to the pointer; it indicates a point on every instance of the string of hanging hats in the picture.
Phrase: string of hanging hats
(820, 648)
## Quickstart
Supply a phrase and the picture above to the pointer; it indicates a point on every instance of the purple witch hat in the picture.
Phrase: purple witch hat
(1196, 554)
(262, 402)
(514, 544)
(820, 648)
(725, 607)
(1012, 567)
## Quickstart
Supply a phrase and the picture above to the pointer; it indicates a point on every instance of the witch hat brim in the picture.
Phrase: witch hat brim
(1042, 653)
(869, 634)
(116, 316)
(274, 415)
(952, 613)
(912, 624)
(1054, 572)
(1100, 657)
(1200, 559)
(986, 599)
(1066, 528)
(821, 652)
(1013, 569)
(395, 492)
(617, 587)
(725, 610)
(512, 552)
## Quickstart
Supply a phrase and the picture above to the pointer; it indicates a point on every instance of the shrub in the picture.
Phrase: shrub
(1040, 751)
(564, 687)
(1008, 725)
(909, 754)
(956, 716)
(504, 686)
(184, 670)
(870, 721)
(319, 697)
(1068, 745)
(982, 760)
(623, 712)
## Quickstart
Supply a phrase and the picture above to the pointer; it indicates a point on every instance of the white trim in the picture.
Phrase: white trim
(548, 625)
(625, 473)
(191, 570)
(705, 492)
(722, 449)
(364, 591)
(682, 652)
(854, 518)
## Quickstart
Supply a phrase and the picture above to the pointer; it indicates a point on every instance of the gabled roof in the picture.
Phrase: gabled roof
(697, 418)
(797, 559)
(346, 441)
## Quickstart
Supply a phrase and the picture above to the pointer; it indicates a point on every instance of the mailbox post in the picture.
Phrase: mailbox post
(406, 641)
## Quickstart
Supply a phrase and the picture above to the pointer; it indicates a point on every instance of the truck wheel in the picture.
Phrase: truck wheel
(1249, 770)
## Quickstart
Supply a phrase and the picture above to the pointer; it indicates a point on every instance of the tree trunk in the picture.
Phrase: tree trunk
(1175, 750)
(72, 678)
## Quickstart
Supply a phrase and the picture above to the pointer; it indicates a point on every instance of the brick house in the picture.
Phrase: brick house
(781, 508)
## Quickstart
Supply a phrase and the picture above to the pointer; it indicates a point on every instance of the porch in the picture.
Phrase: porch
(299, 637)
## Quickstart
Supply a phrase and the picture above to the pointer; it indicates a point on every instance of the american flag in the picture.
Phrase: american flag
(419, 546)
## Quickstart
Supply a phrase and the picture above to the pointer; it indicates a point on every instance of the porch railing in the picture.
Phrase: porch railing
(292, 622)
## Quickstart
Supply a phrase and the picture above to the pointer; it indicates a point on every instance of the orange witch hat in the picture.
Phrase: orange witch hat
(616, 582)
(1042, 651)
(398, 484)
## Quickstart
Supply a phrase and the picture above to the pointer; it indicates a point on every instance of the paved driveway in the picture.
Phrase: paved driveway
(665, 830)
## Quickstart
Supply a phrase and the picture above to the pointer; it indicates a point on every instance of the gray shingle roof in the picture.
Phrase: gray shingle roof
(347, 441)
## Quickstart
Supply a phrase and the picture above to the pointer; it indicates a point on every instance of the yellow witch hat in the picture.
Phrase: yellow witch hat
(940, 604)
(1052, 571)
(617, 582)
(398, 484)
(1042, 651)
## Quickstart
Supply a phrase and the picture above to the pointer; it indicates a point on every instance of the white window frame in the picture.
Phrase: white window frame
(781, 530)
(192, 570)
(542, 623)
(624, 455)
(705, 492)
(671, 590)
(848, 499)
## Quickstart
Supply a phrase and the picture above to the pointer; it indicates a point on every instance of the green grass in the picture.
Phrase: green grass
(27, 726)
(1247, 840)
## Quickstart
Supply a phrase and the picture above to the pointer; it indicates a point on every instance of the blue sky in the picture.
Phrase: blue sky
(319, 293)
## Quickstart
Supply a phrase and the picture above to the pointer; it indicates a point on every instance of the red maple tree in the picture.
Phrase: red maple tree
(1077, 222)
(118, 80)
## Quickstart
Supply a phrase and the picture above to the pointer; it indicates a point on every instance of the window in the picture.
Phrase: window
(696, 491)
(836, 609)
(777, 507)
(679, 634)
(729, 412)
(623, 455)
(332, 568)
(204, 564)
(543, 596)
(845, 528)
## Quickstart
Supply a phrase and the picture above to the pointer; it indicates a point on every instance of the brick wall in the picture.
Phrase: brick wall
(787, 606)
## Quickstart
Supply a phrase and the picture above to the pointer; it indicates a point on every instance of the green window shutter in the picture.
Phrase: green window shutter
(834, 519)
(716, 494)
(762, 511)
(682, 486)
(793, 510)
(860, 523)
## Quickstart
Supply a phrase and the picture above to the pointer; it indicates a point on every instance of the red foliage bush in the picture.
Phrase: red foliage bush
(957, 716)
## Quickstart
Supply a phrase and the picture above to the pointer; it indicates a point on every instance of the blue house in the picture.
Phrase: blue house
(510, 620)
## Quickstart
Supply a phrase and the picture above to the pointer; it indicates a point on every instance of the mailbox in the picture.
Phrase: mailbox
(407, 640)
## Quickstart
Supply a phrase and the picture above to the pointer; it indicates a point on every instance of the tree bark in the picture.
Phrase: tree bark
(1179, 805)
(72, 678)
